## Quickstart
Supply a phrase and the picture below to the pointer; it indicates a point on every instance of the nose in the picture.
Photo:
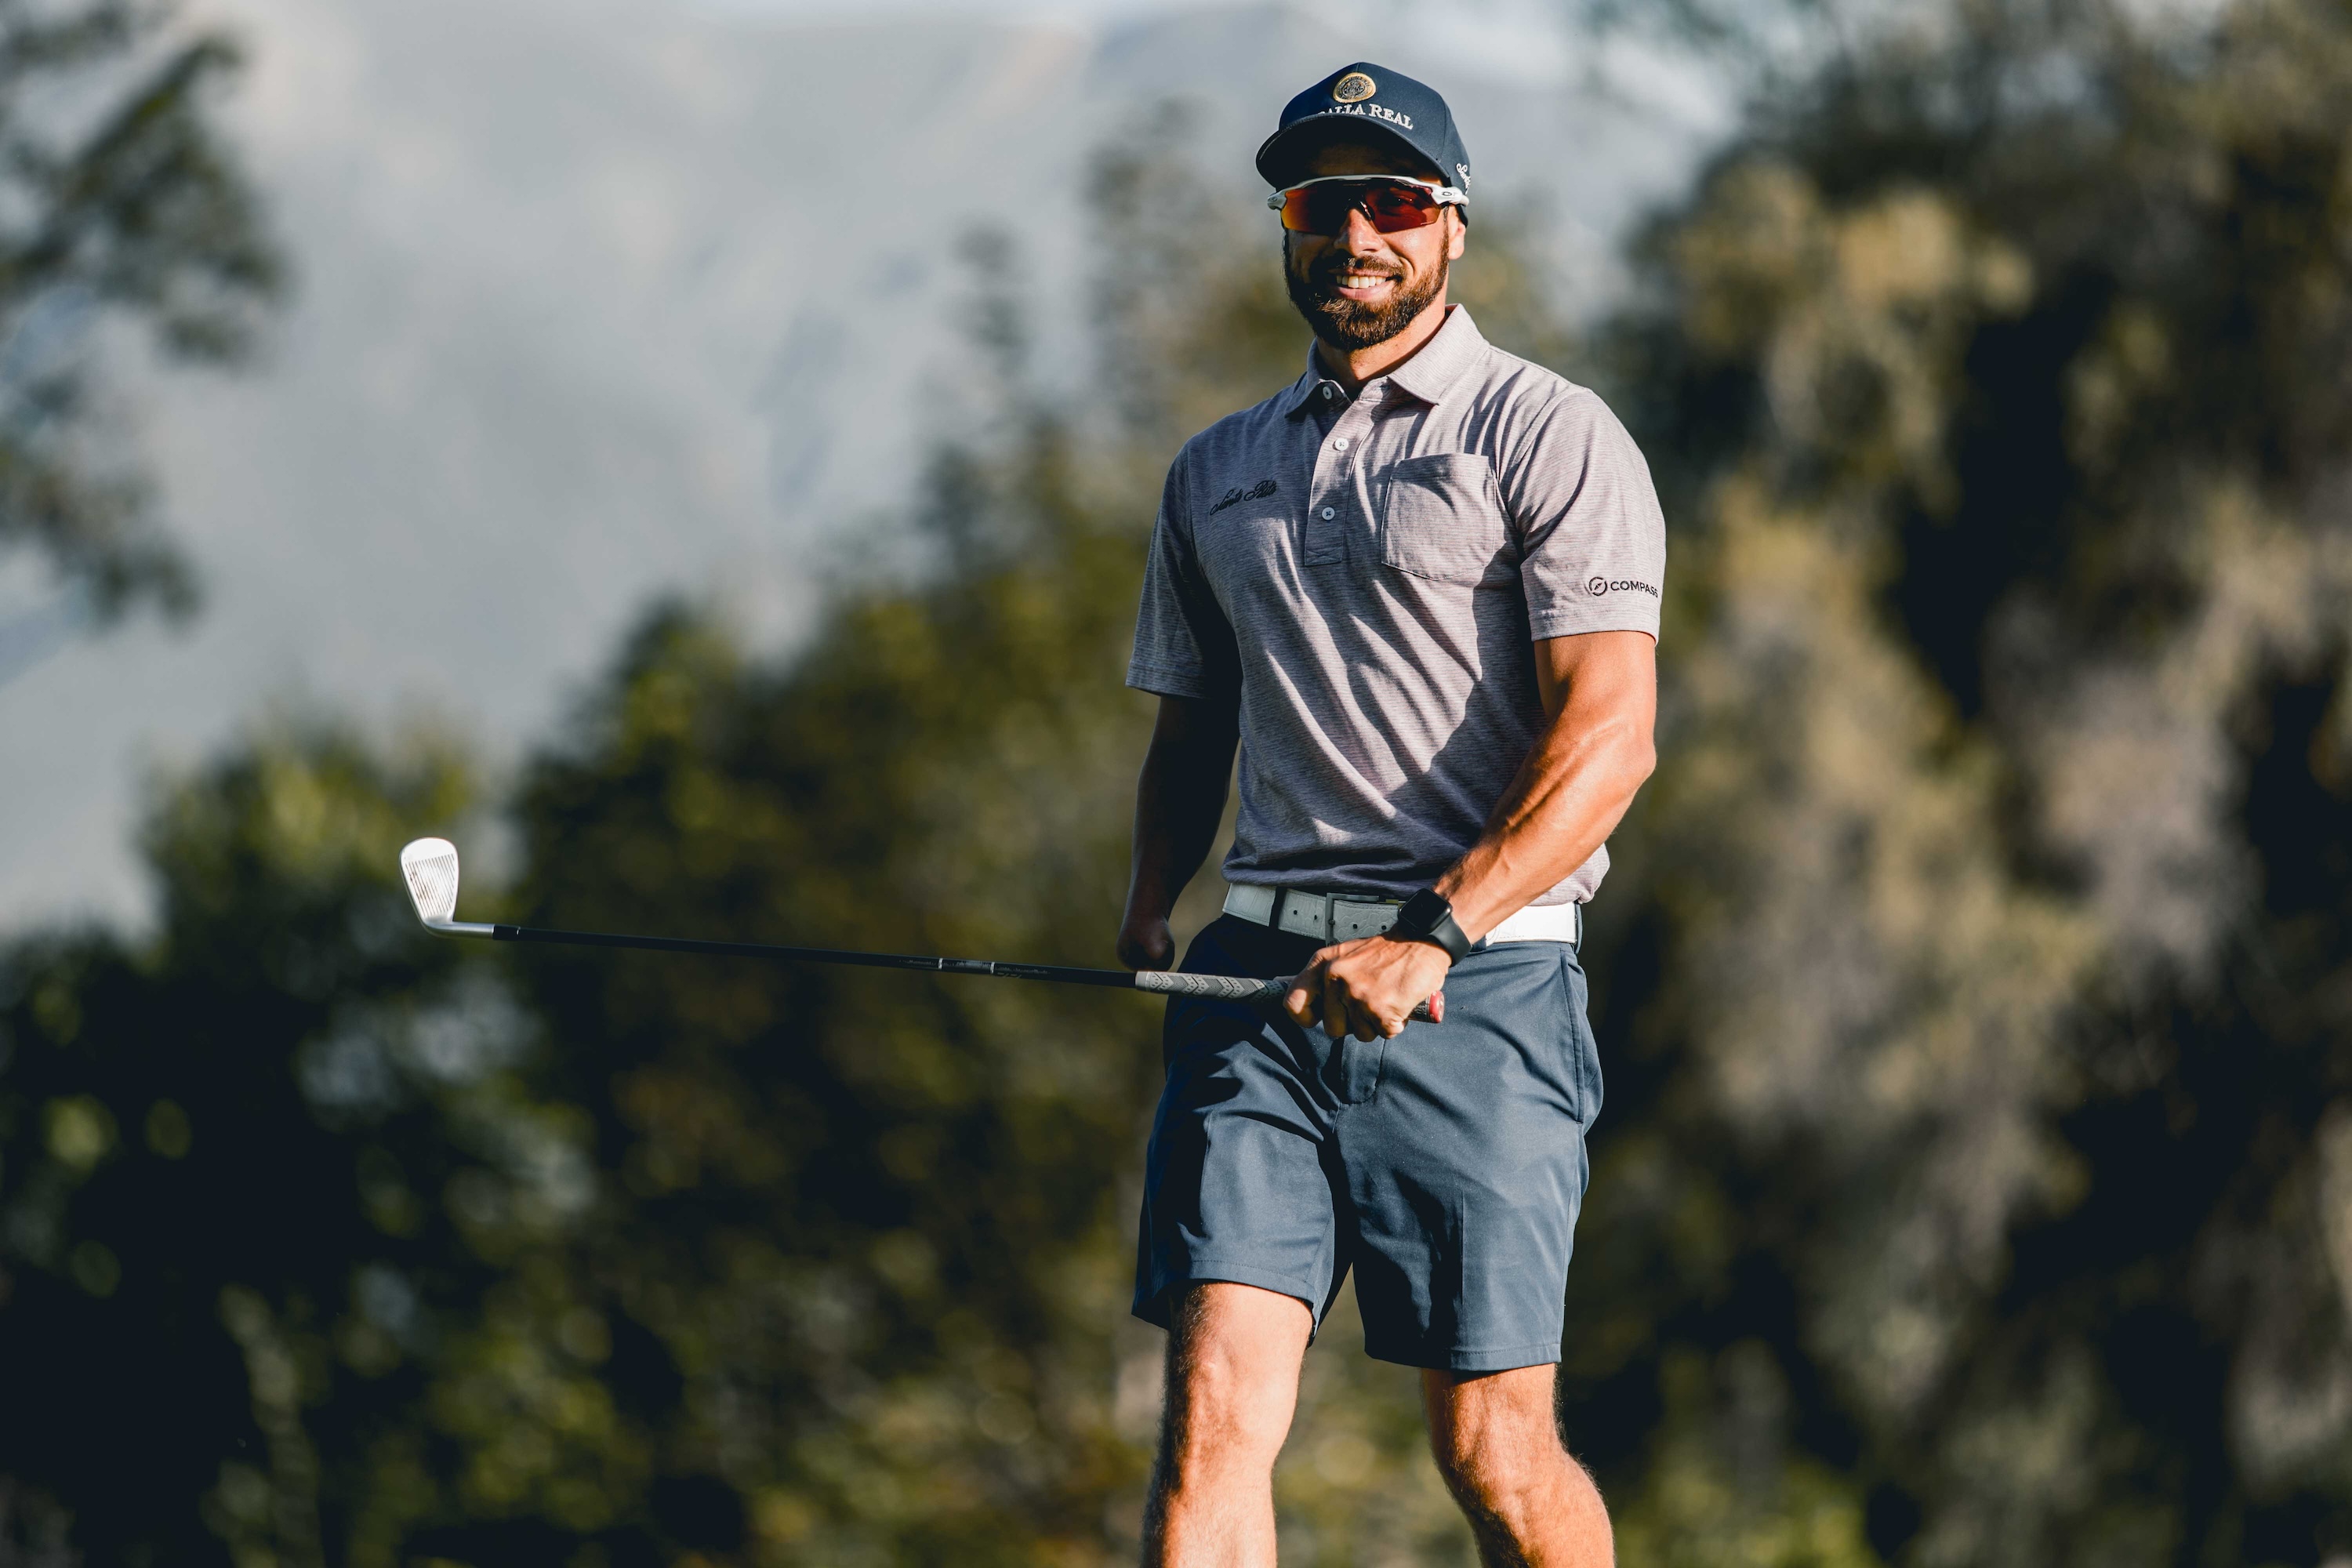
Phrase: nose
(1360, 237)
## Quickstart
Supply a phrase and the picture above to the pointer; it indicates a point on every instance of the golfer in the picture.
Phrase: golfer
(1418, 588)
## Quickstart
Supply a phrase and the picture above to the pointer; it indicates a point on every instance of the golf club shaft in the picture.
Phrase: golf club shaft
(1228, 987)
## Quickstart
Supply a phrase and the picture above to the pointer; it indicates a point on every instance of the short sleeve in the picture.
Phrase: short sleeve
(1593, 540)
(1183, 643)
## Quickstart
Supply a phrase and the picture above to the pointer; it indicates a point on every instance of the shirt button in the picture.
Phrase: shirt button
(1329, 513)
(1341, 445)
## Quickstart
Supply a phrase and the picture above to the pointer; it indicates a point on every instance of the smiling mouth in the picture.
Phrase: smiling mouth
(1360, 280)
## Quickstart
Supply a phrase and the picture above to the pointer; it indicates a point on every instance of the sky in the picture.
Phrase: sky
(596, 301)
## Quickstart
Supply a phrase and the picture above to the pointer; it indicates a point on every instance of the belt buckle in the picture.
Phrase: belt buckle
(1324, 924)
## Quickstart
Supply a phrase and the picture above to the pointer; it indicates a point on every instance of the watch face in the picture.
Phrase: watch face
(1425, 914)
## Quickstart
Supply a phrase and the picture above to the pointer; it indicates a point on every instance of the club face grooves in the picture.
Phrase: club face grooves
(429, 866)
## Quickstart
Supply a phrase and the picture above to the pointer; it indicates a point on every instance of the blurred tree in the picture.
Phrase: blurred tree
(224, 1150)
(119, 204)
(2000, 851)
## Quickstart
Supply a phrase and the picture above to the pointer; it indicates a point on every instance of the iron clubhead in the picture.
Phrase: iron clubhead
(429, 866)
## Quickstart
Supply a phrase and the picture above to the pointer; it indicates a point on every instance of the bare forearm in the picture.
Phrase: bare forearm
(1567, 799)
(1178, 805)
(1575, 785)
(1180, 798)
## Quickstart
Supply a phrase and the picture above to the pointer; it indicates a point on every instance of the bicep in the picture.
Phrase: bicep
(1199, 730)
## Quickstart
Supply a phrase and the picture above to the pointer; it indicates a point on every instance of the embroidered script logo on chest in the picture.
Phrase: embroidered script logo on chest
(1237, 495)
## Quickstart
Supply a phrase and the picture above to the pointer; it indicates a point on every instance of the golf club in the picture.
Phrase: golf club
(429, 866)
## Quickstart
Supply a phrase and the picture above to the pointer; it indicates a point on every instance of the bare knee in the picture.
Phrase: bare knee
(1495, 1468)
(1516, 1486)
(1497, 1443)
(1219, 1403)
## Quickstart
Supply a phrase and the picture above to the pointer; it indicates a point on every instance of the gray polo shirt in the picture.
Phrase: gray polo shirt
(1369, 575)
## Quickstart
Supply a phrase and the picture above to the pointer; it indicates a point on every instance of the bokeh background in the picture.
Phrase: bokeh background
(700, 458)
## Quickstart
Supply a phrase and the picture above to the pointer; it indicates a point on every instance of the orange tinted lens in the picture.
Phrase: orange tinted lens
(1394, 207)
(1299, 209)
(1323, 209)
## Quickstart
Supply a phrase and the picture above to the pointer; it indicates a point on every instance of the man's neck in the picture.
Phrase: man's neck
(1353, 367)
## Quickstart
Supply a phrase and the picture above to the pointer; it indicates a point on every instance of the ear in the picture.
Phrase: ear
(1459, 237)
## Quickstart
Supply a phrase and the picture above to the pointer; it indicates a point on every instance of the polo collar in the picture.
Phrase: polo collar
(1429, 376)
(1301, 395)
(1443, 361)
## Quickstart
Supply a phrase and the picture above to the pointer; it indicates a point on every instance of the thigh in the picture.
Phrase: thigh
(1239, 1184)
(1465, 1172)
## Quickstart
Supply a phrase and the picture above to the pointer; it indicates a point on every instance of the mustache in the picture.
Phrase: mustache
(1330, 267)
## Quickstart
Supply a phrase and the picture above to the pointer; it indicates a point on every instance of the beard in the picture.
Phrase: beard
(1350, 324)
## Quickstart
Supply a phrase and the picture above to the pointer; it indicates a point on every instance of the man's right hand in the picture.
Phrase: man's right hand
(1145, 943)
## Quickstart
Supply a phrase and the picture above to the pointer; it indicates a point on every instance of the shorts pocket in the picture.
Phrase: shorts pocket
(1354, 1068)
(1583, 1046)
(1442, 518)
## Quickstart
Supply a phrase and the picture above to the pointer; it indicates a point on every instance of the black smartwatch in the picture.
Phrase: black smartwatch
(1427, 917)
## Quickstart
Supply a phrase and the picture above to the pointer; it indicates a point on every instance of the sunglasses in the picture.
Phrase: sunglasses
(1391, 203)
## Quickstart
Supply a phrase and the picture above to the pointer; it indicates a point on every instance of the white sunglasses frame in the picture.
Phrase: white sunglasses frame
(1447, 195)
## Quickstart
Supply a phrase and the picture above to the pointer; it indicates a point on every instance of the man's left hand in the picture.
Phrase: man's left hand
(1368, 988)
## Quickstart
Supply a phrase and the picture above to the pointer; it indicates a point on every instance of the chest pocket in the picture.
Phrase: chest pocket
(1442, 518)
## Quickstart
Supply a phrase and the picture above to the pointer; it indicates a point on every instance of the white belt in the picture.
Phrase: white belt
(1344, 917)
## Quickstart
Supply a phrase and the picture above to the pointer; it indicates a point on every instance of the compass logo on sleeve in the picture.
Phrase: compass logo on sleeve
(1354, 88)
(1601, 586)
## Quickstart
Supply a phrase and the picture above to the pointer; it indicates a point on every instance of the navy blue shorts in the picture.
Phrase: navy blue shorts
(1444, 1166)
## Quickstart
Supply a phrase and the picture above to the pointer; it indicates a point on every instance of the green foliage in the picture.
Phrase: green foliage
(222, 1144)
(2002, 841)
(118, 202)
(1722, 1491)
(872, 1223)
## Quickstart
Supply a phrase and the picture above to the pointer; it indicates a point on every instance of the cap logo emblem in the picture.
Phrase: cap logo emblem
(1354, 88)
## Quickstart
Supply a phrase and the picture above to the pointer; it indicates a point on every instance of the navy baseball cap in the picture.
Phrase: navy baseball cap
(1365, 100)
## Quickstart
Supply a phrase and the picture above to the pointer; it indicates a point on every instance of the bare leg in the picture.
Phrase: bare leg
(1232, 1384)
(1529, 1503)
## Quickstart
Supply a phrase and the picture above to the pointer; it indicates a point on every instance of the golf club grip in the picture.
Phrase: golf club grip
(1229, 988)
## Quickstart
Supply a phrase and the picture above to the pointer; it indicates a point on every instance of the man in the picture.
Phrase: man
(1419, 589)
